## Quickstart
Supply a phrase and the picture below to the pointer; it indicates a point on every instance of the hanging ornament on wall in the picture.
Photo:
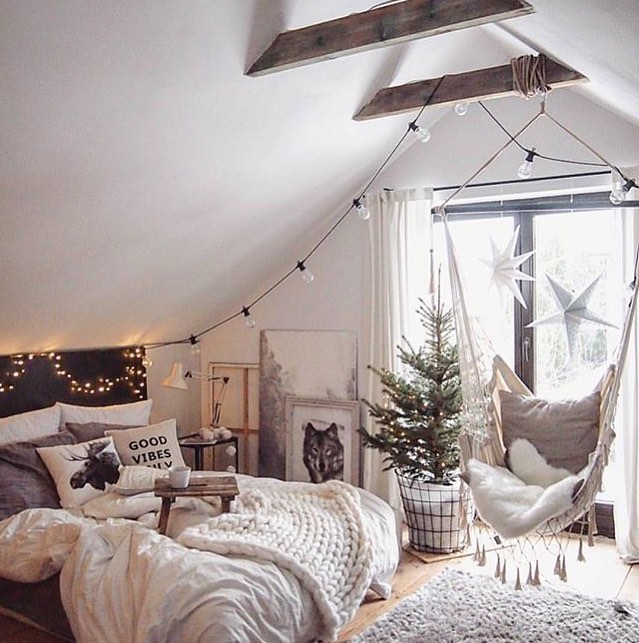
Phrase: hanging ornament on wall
(573, 311)
(504, 265)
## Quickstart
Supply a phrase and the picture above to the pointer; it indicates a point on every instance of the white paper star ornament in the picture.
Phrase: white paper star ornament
(503, 267)
(573, 310)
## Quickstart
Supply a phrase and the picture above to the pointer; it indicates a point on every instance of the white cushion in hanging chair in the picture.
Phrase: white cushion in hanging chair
(512, 507)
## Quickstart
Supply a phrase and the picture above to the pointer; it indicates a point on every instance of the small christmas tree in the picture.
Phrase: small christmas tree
(420, 423)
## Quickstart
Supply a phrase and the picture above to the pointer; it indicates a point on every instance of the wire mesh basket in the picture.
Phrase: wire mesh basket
(437, 515)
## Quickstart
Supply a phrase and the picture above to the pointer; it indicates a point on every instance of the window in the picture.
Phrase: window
(574, 242)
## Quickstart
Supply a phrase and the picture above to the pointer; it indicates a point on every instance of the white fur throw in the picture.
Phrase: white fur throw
(512, 507)
(314, 531)
(528, 464)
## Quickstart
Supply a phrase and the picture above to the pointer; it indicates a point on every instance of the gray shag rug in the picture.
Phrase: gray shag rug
(457, 606)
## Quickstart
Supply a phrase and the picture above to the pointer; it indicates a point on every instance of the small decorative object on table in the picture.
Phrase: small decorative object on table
(225, 487)
(210, 438)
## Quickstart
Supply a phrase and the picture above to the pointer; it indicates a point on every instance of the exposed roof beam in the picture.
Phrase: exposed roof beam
(492, 82)
(388, 25)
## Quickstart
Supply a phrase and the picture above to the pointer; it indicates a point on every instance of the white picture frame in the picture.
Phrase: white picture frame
(329, 440)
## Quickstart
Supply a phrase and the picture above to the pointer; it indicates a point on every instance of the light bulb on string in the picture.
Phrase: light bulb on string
(195, 345)
(362, 211)
(421, 133)
(147, 362)
(461, 108)
(619, 195)
(526, 168)
(307, 275)
(248, 320)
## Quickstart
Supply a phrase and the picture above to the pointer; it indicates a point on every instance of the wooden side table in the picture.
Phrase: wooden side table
(225, 487)
(198, 445)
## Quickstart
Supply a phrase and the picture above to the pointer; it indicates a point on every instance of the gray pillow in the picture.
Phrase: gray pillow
(564, 432)
(93, 430)
(25, 481)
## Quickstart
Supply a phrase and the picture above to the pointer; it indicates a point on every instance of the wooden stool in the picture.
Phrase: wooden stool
(225, 487)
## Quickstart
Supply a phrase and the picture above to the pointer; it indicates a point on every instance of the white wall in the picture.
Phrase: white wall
(338, 299)
(169, 402)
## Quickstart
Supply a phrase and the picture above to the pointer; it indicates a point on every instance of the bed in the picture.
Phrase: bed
(291, 562)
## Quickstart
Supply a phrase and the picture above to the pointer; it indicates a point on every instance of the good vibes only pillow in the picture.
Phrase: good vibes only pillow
(155, 445)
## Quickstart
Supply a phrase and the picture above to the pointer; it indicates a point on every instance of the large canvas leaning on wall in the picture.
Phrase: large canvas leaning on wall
(301, 363)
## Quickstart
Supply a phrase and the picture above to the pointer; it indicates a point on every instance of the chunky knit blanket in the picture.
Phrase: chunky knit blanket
(314, 531)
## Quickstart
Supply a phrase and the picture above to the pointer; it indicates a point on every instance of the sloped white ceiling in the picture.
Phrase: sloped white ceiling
(147, 185)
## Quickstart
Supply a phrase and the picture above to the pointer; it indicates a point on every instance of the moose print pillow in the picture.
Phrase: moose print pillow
(82, 471)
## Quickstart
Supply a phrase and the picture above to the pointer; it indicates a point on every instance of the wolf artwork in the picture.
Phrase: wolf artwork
(323, 453)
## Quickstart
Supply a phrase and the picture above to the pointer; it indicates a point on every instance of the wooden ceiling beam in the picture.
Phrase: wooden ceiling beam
(492, 82)
(387, 25)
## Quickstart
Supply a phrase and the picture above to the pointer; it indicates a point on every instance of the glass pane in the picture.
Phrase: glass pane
(492, 307)
(574, 249)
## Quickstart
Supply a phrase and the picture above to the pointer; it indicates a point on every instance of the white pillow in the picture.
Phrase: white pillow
(529, 465)
(135, 413)
(82, 471)
(30, 425)
(113, 505)
(134, 479)
(154, 446)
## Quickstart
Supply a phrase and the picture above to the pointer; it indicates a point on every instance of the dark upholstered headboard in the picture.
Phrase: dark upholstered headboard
(32, 381)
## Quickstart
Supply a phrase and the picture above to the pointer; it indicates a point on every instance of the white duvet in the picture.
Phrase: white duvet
(122, 581)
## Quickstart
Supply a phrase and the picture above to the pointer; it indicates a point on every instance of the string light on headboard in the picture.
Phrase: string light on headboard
(133, 373)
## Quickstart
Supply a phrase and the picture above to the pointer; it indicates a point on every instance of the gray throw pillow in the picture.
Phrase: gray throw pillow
(564, 432)
(25, 481)
(94, 430)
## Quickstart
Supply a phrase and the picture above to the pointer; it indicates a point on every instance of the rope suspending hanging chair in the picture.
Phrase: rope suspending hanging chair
(532, 512)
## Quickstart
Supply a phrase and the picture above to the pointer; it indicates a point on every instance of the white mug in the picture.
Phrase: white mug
(179, 476)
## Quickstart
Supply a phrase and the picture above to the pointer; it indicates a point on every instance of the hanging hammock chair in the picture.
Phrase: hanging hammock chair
(535, 496)
(542, 498)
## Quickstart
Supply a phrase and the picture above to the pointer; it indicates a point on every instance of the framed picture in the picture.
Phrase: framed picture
(320, 435)
(304, 363)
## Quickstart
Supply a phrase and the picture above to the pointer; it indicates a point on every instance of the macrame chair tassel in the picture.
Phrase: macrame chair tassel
(498, 567)
(536, 580)
(562, 572)
(580, 556)
(529, 580)
(518, 581)
(557, 570)
(503, 573)
(592, 526)
(482, 557)
(477, 554)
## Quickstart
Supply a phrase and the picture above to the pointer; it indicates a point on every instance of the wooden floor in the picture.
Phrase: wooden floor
(603, 575)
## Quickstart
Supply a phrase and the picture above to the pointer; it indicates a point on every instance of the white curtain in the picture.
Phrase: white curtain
(626, 448)
(400, 240)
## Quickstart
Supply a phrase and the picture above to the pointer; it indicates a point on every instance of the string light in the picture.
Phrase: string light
(195, 346)
(461, 108)
(526, 168)
(248, 320)
(421, 133)
(307, 275)
(133, 376)
(619, 195)
(362, 211)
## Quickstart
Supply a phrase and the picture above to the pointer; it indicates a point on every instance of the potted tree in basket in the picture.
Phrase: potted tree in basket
(418, 429)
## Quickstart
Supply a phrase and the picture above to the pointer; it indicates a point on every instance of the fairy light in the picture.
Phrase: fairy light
(133, 376)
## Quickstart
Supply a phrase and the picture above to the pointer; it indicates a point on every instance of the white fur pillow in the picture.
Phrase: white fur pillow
(528, 465)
